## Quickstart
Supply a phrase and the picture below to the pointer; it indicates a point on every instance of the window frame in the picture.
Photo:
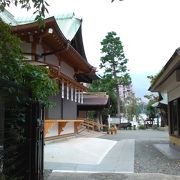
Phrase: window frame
(176, 115)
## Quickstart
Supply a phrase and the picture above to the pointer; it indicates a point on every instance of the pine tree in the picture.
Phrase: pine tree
(114, 64)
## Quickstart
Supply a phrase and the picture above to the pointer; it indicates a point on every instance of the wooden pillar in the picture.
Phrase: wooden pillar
(61, 125)
(75, 95)
(79, 96)
(100, 117)
(72, 93)
(67, 93)
(62, 88)
(76, 125)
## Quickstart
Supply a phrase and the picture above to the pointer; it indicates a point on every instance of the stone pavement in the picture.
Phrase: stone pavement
(120, 158)
(168, 151)
(116, 163)
(78, 151)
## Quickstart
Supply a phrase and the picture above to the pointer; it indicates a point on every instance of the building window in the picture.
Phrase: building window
(174, 117)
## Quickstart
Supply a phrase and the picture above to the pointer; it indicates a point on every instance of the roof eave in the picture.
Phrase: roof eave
(51, 22)
(164, 73)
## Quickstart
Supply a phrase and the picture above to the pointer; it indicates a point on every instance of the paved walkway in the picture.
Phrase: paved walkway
(168, 151)
(78, 151)
(119, 157)
(116, 162)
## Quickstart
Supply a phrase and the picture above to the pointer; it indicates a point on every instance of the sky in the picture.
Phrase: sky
(149, 31)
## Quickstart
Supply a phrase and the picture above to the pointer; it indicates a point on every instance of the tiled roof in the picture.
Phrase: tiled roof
(68, 23)
(7, 17)
(95, 99)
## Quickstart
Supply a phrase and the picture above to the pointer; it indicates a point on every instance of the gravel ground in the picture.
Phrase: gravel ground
(148, 159)
(148, 134)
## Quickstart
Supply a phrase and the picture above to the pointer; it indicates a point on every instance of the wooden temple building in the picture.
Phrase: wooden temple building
(59, 47)
(96, 102)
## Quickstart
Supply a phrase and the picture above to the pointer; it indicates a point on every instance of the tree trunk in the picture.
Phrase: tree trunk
(118, 103)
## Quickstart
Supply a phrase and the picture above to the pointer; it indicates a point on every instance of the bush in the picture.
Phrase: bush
(141, 127)
(105, 128)
(155, 126)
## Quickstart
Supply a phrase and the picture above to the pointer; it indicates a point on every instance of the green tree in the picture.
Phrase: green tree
(106, 84)
(40, 6)
(152, 78)
(114, 64)
(133, 106)
(150, 110)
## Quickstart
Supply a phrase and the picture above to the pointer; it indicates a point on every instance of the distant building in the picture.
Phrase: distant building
(125, 91)
(94, 101)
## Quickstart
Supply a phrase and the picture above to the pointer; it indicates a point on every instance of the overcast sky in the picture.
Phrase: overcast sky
(148, 29)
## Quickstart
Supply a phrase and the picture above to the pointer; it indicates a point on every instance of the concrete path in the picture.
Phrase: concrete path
(168, 151)
(78, 150)
(95, 155)
(110, 157)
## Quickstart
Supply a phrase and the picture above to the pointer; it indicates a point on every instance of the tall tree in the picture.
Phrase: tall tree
(114, 64)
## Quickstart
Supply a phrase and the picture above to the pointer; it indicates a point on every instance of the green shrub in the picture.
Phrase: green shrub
(141, 127)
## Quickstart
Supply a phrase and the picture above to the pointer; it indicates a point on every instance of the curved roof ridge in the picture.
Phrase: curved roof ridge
(31, 18)
(64, 15)
(25, 19)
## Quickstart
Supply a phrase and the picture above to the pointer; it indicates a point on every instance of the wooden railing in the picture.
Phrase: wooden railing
(54, 129)
(90, 124)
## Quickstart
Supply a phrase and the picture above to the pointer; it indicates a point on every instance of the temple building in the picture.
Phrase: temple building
(59, 47)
